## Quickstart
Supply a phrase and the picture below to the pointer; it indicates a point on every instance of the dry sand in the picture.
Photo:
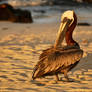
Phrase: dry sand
(20, 47)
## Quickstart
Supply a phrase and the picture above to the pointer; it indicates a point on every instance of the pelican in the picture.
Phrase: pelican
(60, 59)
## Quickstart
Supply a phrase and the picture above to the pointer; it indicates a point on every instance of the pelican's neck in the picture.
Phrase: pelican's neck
(68, 36)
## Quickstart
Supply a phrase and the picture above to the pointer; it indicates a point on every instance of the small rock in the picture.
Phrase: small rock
(83, 24)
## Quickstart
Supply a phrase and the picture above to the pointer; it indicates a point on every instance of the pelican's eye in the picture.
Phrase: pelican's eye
(68, 15)
(64, 20)
(71, 22)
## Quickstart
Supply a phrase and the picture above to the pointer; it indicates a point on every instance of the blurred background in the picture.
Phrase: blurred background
(51, 10)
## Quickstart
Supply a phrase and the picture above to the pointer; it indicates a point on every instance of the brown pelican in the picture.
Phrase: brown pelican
(58, 59)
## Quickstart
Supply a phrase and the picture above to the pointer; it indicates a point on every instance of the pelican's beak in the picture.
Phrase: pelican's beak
(62, 30)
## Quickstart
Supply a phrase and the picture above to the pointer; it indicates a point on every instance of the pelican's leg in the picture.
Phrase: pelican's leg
(66, 76)
(57, 78)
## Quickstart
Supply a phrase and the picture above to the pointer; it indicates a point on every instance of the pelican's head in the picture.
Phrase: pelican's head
(67, 19)
(68, 15)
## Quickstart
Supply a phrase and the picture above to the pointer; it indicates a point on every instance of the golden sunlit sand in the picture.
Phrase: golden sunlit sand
(20, 47)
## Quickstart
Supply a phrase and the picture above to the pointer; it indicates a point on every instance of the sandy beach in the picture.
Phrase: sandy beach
(21, 45)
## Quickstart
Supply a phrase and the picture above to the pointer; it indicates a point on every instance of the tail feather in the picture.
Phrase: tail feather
(33, 75)
(38, 69)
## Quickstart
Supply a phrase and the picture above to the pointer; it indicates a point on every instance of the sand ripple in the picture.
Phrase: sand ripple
(19, 54)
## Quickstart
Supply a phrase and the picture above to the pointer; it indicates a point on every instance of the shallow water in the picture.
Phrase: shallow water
(45, 14)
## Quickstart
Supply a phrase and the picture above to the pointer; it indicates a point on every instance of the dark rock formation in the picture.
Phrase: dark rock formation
(68, 2)
(83, 24)
(88, 1)
(61, 2)
(23, 16)
(85, 1)
(8, 13)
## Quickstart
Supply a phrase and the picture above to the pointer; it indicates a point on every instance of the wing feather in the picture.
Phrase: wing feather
(56, 59)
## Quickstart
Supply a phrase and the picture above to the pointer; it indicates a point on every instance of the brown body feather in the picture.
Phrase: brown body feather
(53, 61)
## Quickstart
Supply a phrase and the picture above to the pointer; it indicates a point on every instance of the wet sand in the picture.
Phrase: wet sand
(20, 47)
